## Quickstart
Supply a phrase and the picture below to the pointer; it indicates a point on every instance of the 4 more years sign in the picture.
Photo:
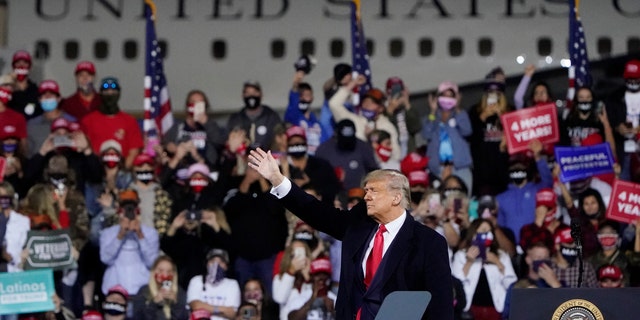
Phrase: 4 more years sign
(524, 126)
(625, 202)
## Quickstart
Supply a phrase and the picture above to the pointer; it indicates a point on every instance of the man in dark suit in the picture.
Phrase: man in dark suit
(384, 249)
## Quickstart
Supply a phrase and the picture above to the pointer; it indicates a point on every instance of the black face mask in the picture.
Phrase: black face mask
(110, 103)
(144, 176)
(569, 254)
(303, 105)
(252, 102)
(6, 202)
(114, 309)
(297, 151)
(584, 107)
(518, 176)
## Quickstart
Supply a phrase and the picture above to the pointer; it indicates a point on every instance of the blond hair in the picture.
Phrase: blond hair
(395, 180)
(153, 285)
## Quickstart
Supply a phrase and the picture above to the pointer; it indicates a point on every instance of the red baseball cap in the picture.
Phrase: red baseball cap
(296, 131)
(92, 315)
(413, 162)
(564, 236)
(86, 66)
(320, 265)
(21, 55)
(392, 81)
(632, 70)
(418, 178)
(609, 272)
(50, 86)
(60, 123)
(546, 197)
(118, 289)
(143, 158)
(200, 314)
(8, 131)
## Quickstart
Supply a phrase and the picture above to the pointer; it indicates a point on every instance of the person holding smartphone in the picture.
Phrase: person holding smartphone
(161, 298)
(315, 301)
(293, 273)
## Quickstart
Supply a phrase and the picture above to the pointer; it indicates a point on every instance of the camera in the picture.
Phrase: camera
(194, 215)
(130, 211)
(248, 313)
(62, 141)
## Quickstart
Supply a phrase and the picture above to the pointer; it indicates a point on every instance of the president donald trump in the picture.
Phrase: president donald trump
(383, 250)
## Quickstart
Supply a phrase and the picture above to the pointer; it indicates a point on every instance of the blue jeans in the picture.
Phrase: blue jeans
(261, 269)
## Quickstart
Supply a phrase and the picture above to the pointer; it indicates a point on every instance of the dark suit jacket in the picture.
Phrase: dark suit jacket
(417, 259)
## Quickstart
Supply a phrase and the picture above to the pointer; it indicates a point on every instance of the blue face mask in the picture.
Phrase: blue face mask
(49, 104)
(369, 114)
(9, 147)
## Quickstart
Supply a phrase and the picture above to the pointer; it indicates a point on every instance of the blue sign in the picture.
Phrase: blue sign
(26, 292)
(583, 162)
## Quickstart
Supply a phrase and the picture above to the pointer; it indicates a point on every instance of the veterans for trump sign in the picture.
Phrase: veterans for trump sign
(526, 125)
(24, 292)
(49, 249)
(582, 162)
(624, 205)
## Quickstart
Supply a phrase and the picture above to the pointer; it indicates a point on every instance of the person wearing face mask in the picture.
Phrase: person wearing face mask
(565, 262)
(350, 157)
(610, 253)
(199, 192)
(256, 119)
(214, 291)
(199, 128)
(12, 123)
(38, 127)
(590, 212)
(314, 300)
(25, 92)
(155, 203)
(414, 166)
(253, 292)
(299, 112)
(623, 112)
(381, 143)
(404, 118)
(517, 203)
(129, 248)
(110, 123)
(101, 197)
(308, 169)
(587, 117)
(485, 271)
(370, 117)
(488, 210)
(546, 223)
(13, 228)
(116, 303)
(446, 128)
(161, 298)
(611, 276)
(16, 162)
(85, 99)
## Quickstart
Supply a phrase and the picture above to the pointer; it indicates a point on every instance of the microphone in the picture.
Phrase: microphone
(576, 231)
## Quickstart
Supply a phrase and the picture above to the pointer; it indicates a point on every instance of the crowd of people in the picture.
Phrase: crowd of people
(186, 229)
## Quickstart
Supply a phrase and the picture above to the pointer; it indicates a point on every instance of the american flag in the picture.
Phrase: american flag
(360, 57)
(157, 105)
(579, 72)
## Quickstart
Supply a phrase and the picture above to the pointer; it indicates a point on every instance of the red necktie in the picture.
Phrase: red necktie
(373, 261)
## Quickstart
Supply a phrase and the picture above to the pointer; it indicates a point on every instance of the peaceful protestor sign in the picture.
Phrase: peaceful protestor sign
(582, 162)
(624, 205)
(49, 249)
(526, 125)
(25, 292)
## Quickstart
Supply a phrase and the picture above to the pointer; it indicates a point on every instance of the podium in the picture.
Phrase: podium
(574, 303)
(405, 305)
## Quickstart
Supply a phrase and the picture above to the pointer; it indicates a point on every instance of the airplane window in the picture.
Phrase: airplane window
(396, 47)
(485, 47)
(42, 49)
(604, 46)
(307, 46)
(219, 49)
(164, 48)
(545, 46)
(336, 48)
(633, 45)
(130, 49)
(101, 49)
(278, 48)
(71, 50)
(371, 47)
(456, 47)
(425, 47)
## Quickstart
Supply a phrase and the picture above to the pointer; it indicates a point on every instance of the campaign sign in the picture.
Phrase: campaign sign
(582, 162)
(624, 205)
(49, 249)
(526, 125)
(25, 292)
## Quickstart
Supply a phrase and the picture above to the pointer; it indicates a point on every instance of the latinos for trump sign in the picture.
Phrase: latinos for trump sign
(582, 162)
(24, 292)
(526, 125)
(624, 205)
(49, 249)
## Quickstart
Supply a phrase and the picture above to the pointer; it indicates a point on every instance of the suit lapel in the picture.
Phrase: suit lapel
(399, 247)
(362, 235)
